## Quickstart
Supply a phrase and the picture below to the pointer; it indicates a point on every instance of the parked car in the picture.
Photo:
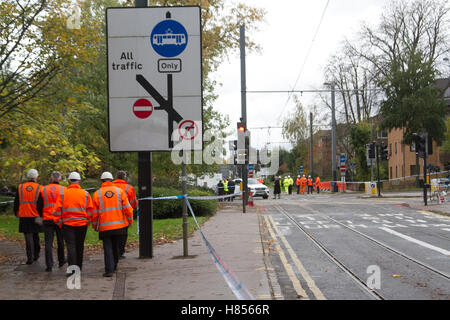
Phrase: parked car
(257, 189)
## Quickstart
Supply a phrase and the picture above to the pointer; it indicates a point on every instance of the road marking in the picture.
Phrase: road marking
(311, 284)
(419, 242)
(296, 283)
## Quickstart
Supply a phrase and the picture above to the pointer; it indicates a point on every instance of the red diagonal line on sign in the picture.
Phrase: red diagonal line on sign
(188, 129)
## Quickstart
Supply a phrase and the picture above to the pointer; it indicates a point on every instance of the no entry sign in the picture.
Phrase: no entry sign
(142, 108)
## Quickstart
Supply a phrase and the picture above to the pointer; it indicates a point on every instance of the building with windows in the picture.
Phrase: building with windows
(403, 161)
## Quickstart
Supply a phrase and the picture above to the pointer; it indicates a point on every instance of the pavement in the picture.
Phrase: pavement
(169, 275)
(414, 200)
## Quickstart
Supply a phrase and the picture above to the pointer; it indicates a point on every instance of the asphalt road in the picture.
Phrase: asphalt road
(338, 246)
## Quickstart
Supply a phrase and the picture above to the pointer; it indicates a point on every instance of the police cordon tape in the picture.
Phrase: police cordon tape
(236, 286)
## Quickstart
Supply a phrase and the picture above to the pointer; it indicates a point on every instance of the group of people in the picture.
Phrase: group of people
(68, 211)
(226, 187)
(301, 182)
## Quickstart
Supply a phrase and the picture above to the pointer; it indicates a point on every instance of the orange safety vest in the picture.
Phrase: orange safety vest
(298, 181)
(129, 191)
(28, 197)
(303, 181)
(317, 182)
(310, 182)
(73, 208)
(111, 208)
(50, 194)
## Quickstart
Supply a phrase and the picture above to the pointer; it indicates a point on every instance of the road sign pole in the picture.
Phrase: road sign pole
(185, 215)
(145, 190)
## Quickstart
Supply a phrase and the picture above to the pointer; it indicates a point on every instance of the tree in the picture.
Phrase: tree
(359, 137)
(35, 46)
(405, 51)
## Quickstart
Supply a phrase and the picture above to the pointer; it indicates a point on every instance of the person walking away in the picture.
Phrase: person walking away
(231, 187)
(302, 184)
(121, 182)
(277, 188)
(30, 222)
(297, 183)
(47, 199)
(112, 214)
(310, 185)
(291, 184)
(286, 185)
(220, 189)
(318, 184)
(73, 213)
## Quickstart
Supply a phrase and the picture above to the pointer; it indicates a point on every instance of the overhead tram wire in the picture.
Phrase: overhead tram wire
(306, 57)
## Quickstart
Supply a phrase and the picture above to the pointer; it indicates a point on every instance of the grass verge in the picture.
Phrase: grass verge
(164, 230)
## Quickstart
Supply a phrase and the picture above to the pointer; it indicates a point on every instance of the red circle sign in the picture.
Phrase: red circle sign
(188, 130)
(142, 108)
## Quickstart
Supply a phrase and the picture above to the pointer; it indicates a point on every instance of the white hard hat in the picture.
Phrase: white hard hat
(74, 176)
(32, 174)
(106, 175)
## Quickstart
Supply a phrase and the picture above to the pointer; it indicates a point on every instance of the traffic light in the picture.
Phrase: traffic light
(384, 152)
(420, 141)
(241, 127)
(370, 150)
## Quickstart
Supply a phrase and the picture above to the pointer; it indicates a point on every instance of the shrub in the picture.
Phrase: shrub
(163, 209)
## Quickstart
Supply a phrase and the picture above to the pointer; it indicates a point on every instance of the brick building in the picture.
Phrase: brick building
(403, 161)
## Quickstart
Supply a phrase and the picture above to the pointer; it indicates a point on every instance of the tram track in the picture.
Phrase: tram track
(345, 268)
(360, 282)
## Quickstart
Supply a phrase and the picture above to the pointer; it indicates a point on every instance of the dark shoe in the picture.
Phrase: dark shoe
(29, 262)
(36, 258)
(121, 257)
(108, 274)
(61, 264)
(48, 269)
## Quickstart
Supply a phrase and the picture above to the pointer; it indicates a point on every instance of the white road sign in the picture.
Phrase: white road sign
(154, 78)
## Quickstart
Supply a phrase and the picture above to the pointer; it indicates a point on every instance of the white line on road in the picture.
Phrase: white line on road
(419, 242)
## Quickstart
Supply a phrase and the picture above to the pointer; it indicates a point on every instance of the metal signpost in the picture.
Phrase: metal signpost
(154, 89)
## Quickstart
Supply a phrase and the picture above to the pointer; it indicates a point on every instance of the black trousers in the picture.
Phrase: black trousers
(74, 237)
(290, 189)
(49, 234)
(32, 245)
(123, 242)
(111, 251)
(310, 189)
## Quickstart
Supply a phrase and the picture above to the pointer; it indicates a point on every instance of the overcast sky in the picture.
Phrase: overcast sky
(285, 37)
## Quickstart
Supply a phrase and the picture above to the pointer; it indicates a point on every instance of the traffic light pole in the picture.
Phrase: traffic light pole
(377, 150)
(425, 200)
(243, 113)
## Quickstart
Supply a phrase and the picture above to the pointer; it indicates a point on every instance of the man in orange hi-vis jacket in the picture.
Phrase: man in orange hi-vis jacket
(112, 214)
(303, 184)
(318, 184)
(72, 213)
(26, 208)
(49, 195)
(297, 183)
(122, 183)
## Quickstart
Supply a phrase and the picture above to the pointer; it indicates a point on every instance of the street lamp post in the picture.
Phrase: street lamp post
(333, 136)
